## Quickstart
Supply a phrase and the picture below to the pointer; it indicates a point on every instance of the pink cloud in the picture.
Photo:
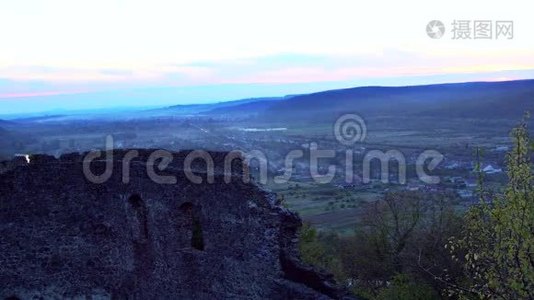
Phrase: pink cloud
(34, 94)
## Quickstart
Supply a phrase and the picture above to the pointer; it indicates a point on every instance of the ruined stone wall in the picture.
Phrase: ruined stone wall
(62, 236)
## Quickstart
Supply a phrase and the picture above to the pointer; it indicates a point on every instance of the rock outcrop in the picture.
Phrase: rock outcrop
(63, 236)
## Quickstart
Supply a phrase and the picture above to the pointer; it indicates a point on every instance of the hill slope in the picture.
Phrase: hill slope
(477, 100)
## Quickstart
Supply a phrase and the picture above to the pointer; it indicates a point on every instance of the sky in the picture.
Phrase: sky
(70, 54)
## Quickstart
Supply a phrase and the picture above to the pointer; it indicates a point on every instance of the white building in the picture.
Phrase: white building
(489, 169)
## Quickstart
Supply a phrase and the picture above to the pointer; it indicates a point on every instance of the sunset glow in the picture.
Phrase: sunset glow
(64, 47)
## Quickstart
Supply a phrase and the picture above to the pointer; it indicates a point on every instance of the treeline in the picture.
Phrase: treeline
(411, 245)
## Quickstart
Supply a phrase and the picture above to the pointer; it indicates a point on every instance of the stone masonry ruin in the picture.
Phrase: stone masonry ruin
(62, 236)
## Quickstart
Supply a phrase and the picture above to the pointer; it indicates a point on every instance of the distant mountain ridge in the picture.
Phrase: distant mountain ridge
(215, 108)
(4, 122)
(509, 99)
(505, 99)
(476, 99)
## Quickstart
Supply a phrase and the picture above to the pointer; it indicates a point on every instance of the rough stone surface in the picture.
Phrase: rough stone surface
(62, 236)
